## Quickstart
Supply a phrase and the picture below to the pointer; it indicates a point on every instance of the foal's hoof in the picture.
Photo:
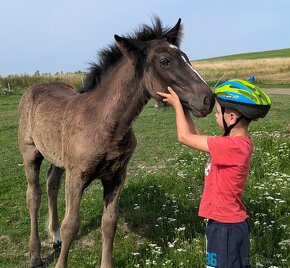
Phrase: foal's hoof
(57, 247)
(38, 264)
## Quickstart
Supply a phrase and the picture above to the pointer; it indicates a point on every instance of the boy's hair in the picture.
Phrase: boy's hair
(232, 110)
(238, 114)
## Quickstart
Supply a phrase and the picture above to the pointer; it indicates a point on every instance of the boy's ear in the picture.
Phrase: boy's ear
(234, 116)
(129, 46)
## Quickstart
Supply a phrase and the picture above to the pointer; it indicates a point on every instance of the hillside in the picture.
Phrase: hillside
(279, 53)
(270, 68)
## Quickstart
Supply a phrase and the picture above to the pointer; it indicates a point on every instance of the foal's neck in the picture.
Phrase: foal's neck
(125, 96)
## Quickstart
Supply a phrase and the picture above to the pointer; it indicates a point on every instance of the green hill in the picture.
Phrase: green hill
(279, 53)
(271, 68)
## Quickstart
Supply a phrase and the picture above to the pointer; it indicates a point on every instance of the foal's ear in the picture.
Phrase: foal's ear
(174, 35)
(129, 46)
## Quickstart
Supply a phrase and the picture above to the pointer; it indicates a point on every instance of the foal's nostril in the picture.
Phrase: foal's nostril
(206, 101)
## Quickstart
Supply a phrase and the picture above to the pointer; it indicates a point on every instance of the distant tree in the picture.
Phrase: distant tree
(37, 73)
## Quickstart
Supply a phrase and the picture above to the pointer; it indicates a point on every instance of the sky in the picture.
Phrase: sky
(66, 35)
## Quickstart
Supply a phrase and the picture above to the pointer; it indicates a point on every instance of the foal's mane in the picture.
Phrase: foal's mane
(112, 54)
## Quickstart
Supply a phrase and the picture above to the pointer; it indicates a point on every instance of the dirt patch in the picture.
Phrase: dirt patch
(279, 91)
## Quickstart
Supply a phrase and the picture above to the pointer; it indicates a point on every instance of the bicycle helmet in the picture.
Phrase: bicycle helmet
(244, 97)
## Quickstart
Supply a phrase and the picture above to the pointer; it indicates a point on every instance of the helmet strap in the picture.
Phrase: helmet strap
(230, 127)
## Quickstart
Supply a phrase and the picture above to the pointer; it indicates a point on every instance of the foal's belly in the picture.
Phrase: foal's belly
(51, 152)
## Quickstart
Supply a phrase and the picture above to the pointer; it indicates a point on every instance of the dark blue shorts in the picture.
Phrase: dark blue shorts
(228, 244)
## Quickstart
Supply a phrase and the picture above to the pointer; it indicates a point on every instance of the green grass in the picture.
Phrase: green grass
(159, 226)
(279, 53)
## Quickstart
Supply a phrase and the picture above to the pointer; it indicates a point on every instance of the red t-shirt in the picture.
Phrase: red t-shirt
(225, 176)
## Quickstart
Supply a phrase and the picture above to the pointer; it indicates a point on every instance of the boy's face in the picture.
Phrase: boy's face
(230, 116)
(219, 116)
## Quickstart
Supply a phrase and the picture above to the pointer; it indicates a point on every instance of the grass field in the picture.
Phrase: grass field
(270, 68)
(159, 226)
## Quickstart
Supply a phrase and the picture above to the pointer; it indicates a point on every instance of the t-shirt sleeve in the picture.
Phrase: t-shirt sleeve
(223, 151)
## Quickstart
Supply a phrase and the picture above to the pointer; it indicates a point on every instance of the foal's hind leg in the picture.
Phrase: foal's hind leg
(71, 222)
(32, 161)
(53, 184)
(112, 190)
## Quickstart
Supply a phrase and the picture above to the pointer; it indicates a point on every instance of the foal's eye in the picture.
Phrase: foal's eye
(164, 62)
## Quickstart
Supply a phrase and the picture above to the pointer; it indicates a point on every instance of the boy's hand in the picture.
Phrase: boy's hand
(170, 98)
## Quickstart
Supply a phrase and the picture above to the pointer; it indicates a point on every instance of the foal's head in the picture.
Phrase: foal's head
(158, 58)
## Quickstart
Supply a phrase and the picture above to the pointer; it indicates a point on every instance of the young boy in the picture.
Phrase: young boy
(227, 230)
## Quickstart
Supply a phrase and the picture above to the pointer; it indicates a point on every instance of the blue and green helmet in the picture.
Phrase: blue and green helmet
(246, 98)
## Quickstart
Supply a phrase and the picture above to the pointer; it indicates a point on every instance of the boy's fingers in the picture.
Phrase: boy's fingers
(172, 92)
(162, 94)
(159, 93)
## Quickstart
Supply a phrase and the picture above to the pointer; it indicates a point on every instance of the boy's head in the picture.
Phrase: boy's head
(229, 117)
(246, 100)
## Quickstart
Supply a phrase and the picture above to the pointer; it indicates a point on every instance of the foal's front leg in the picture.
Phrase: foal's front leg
(112, 190)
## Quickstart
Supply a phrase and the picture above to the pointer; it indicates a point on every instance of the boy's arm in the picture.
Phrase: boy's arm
(186, 130)
(185, 136)
(192, 126)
